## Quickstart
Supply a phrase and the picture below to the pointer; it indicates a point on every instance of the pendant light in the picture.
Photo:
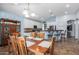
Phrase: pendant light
(27, 11)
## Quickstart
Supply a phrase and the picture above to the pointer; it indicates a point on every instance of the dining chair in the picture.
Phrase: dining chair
(41, 35)
(33, 34)
(16, 34)
(13, 45)
(22, 47)
(51, 48)
(9, 46)
(63, 35)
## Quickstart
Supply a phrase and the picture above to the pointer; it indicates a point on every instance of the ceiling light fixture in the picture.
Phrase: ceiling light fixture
(33, 14)
(26, 12)
(27, 15)
(67, 5)
(50, 11)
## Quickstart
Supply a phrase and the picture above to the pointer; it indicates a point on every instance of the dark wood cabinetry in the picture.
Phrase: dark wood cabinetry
(7, 27)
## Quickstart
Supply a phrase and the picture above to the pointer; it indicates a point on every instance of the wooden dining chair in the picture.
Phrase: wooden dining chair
(9, 46)
(16, 34)
(13, 45)
(22, 47)
(41, 35)
(33, 34)
(51, 48)
(50, 51)
(63, 35)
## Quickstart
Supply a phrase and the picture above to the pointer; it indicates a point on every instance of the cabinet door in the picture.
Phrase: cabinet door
(6, 34)
(18, 28)
(0, 32)
(0, 26)
(12, 28)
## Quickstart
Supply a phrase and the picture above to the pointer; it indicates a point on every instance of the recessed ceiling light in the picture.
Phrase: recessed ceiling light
(33, 14)
(27, 15)
(67, 5)
(50, 10)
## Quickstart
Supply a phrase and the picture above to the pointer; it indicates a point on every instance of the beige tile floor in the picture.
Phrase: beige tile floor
(67, 47)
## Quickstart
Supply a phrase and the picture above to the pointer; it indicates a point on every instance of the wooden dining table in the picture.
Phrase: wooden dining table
(36, 48)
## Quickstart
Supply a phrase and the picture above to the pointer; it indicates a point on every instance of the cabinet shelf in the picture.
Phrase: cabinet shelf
(7, 27)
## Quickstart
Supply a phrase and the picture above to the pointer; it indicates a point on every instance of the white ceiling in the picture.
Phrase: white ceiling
(40, 9)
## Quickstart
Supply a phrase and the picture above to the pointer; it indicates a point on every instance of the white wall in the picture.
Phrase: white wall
(77, 26)
(30, 23)
(50, 23)
(61, 21)
(4, 14)
(27, 23)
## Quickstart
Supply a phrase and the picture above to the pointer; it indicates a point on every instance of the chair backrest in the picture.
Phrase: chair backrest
(52, 46)
(16, 34)
(63, 34)
(33, 34)
(14, 45)
(41, 35)
(22, 46)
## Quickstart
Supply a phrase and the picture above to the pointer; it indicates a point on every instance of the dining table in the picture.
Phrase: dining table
(38, 46)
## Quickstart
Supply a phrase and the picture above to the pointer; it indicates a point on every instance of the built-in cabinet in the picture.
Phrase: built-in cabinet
(77, 29)
(7, 27)
(73, 28)
(44, 26)
(70, 28)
